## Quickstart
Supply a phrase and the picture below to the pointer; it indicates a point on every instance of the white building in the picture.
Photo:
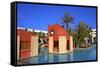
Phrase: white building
(93, 37)
(93, 33)
(31, 30)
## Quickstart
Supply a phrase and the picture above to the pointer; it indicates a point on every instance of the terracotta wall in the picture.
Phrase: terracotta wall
(59, 31)
(24, 50)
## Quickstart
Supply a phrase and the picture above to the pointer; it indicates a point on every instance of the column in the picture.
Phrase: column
(92, 39)
(71, 43)
(62, 44)
(50, 45)
(34, 45)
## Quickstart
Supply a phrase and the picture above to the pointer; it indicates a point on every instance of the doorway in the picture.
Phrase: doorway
(56, 46)
(68, 46)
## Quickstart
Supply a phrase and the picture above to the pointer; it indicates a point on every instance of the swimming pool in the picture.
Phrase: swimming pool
(77, 55)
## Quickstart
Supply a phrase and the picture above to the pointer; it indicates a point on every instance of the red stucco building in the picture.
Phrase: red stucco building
(59, 39)
(24, 43)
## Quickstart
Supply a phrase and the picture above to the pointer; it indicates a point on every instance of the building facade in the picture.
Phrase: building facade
(60, 41)
(27, 44)
(92, 38)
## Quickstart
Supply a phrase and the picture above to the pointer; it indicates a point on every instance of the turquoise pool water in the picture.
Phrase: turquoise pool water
(76, 55)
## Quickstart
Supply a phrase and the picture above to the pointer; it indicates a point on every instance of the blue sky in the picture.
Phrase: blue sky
(40, 16)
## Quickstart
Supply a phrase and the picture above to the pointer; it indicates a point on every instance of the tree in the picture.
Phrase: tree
(41, 34)
(82, 32)
(33, 31)
(73, 32)
(67, 19)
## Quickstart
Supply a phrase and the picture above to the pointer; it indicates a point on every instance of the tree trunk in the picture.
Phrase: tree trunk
(67, 26)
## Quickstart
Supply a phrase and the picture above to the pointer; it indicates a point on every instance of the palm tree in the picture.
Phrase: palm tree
(67, 19)
(82, 32)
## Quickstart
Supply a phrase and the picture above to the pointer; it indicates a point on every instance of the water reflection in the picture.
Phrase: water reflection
(50, 58)
(77, 55)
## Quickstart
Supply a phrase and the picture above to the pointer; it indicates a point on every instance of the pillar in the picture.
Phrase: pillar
(34, 46)
(86, 40)
(18, 46)
(71, 43)
(50, 45)
(92, 39)
(62, 44)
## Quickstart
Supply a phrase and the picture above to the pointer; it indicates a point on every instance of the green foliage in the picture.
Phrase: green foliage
(41, 34)
(34, 32)
(82, 31)
(66, 19)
